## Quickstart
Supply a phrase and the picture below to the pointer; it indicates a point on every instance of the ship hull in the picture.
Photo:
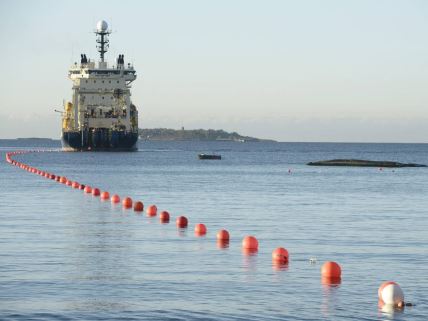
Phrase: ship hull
(99, 140)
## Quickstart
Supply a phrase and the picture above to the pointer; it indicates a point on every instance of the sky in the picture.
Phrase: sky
(307, 70)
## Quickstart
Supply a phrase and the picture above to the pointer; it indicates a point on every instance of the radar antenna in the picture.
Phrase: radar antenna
(102, 33)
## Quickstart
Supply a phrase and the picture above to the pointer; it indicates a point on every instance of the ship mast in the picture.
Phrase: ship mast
(102, 33)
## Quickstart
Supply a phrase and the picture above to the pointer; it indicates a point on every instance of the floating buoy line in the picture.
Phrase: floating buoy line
(389, 293)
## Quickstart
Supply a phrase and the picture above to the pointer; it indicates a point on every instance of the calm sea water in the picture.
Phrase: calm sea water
(65, 255)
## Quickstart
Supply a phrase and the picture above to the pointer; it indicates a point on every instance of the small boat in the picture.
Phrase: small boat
(209, 156)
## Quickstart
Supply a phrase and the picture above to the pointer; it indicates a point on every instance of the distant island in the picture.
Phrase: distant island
(153, 134)
(167, 134)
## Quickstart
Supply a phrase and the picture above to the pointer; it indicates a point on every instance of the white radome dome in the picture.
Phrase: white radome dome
(102, 26)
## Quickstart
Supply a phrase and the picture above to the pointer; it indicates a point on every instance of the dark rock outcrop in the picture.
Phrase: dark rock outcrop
(362, 163)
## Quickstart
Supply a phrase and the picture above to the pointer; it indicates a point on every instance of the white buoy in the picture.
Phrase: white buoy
(392, 294)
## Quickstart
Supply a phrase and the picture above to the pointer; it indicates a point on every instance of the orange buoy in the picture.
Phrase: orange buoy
(115, 198)
(382, 286)
(69, 183)
(75, 185)
(222, 244)
(331, 270)
(330, 282)
(249, 252)
(87, 189)
(105, 195)
(164, 217)
(58, 178)
(152, 210)
(127, 202)
(391, 294)
(138, 206)
(181, 222)
(223, 235)
(63, 180)
(200, 229)
(280, 255)
(250, 243)
(82, 186)
(95, 192)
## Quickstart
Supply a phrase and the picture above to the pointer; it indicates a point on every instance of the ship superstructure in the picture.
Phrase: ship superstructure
(101, 115)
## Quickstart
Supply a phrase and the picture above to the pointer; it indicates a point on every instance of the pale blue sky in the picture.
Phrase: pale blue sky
(331, 70)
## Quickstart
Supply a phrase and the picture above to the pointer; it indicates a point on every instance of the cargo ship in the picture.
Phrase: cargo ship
(101, 115)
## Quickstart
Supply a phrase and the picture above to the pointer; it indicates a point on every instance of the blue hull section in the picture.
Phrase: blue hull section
(99, 140)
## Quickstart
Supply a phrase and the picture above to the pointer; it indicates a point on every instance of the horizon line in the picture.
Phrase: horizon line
(266, 140)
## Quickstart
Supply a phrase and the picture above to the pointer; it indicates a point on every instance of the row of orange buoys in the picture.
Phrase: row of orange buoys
(389, 293)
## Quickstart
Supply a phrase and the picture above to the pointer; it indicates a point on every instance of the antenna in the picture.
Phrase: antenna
(102, 33)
